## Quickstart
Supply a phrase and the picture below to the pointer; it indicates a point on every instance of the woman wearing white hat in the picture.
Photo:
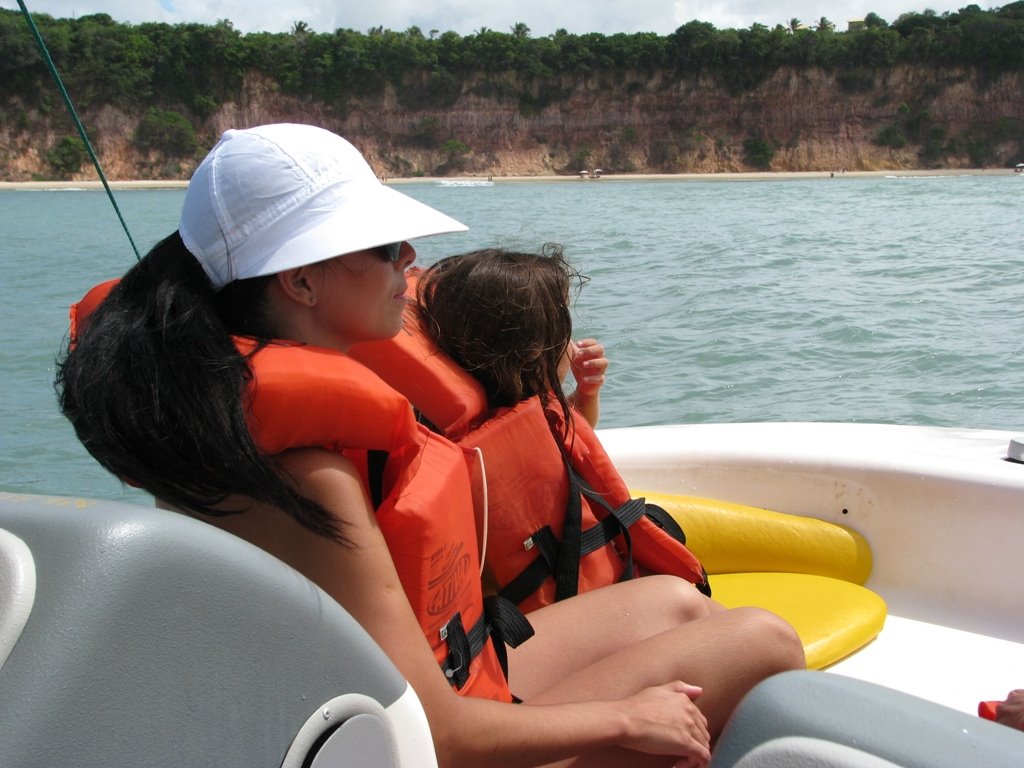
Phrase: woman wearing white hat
(287, 234)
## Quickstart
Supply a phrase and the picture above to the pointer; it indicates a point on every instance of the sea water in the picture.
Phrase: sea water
(895, 299)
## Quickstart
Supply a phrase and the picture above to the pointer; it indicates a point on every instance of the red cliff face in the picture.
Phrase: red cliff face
(796, 120)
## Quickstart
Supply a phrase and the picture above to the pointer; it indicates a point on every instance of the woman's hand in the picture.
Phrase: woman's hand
(665, 721)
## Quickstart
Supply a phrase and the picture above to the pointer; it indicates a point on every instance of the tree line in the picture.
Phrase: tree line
(195, 67)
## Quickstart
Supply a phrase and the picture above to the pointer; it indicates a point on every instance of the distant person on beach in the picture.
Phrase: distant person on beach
(215, 376)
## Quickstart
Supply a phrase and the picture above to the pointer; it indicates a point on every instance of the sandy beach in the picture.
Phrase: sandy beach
(746, 176)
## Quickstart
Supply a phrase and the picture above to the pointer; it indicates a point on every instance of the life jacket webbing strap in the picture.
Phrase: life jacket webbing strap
(624, 516)
(375, 463)
(550, 552)
(567, 569)
(509, 627)
(501, 620)
(536, 573)
(460, 653)
(605, 531)
(666, 522)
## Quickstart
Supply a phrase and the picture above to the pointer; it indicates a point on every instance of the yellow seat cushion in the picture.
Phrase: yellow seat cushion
(832, 617)
(806, 570)
(735, 538)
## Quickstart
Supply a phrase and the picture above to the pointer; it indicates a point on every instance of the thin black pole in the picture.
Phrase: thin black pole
(78, 123)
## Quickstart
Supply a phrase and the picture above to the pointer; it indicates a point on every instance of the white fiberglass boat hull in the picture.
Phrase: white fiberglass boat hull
(942, 509)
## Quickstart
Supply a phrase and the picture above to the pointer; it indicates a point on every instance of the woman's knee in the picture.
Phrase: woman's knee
(780, 647)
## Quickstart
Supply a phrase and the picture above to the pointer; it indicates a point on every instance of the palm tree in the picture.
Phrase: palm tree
(794, 25)
(824, 25)
(520, 30)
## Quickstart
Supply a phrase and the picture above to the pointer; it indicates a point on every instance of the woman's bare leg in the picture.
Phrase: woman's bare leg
(614, 641)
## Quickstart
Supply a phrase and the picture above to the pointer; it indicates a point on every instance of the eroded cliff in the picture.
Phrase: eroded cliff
(795, 120)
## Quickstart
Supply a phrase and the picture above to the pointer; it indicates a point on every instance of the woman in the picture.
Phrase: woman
(201, 379)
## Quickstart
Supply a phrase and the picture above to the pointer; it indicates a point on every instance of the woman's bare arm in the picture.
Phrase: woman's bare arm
(466, 731)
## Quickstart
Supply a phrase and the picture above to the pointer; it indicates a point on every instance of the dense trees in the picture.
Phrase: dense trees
(195, 66)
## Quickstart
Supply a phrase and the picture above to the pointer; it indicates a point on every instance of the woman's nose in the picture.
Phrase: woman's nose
(406, 256)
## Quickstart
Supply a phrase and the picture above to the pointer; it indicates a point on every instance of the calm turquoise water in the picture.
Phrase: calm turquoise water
(877, 300)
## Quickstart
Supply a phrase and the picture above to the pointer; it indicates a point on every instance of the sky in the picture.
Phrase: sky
(465, 17)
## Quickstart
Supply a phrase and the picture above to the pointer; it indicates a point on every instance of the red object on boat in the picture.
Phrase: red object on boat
(987, 709)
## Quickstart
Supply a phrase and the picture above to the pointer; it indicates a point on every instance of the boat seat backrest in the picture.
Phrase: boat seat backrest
(138, 636)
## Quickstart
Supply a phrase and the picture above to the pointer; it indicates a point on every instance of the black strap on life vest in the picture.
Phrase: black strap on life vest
(502, 623)
(567, 564)
(375, 463)
(561, 560)
(501, 619)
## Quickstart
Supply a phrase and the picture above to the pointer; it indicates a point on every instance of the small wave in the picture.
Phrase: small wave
(929, 176)
(465, 183)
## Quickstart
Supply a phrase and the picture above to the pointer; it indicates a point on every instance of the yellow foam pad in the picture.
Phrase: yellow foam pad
(832, 617)
(735, 538)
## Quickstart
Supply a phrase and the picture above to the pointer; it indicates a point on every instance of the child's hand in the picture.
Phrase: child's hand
(589, 366)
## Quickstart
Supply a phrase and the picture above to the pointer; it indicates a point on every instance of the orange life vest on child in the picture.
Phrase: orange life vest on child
(554, 527)
(561, 520)
(301, 396)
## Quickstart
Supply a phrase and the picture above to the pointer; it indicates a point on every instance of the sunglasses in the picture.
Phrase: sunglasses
(393, 251)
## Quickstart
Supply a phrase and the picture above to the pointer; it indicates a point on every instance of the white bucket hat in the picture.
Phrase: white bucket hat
(280, 196)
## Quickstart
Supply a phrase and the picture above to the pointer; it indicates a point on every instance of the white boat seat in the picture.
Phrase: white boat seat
(152, 639)
(824, 720)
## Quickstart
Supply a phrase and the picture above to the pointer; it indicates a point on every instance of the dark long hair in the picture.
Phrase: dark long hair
(156, 389)
(504, 317)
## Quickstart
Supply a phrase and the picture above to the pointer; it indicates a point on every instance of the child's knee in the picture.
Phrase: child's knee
(679, 598)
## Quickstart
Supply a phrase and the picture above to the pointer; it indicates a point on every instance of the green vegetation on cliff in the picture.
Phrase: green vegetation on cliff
(199, 66)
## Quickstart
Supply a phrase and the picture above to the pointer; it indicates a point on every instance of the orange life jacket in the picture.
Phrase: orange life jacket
(559, 517)
(302, 395)
(561, 520)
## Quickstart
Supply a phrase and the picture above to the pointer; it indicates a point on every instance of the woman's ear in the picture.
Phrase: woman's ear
(297, 285)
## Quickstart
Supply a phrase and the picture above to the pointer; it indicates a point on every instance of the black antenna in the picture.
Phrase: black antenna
(78, 123)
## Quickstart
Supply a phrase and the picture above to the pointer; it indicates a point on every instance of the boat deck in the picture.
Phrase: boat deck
(943, 664)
